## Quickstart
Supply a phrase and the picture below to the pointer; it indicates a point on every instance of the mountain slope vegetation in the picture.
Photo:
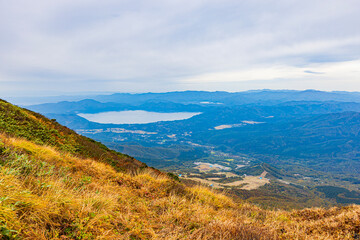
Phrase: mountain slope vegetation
(32, 126)
(48, 191)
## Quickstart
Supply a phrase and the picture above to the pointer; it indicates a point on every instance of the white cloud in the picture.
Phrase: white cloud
(112, 45)
(326, 76)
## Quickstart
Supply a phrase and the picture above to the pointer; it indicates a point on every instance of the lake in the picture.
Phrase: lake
(138, 116)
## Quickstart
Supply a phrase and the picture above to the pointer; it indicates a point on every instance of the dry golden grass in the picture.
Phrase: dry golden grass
(46, 194)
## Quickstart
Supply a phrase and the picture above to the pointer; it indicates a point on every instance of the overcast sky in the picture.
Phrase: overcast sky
(50, 47)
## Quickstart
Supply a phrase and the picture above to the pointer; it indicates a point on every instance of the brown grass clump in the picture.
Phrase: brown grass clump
(47, 194)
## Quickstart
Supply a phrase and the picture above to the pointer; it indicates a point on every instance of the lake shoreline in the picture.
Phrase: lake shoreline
(135, 117)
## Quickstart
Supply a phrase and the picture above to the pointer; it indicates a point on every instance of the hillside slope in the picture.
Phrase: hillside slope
(19, 122)
(49, 192)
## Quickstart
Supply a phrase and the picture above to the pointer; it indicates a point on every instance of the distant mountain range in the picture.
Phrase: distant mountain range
(246, 97)
(260, 96)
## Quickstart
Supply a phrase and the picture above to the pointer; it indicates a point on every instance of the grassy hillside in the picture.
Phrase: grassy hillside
(46, 194)
(32, 126)
(50, 192)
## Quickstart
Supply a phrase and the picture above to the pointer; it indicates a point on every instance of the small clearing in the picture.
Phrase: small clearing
(228, 174)
(248, 183)
(205, 167)
(252, 182)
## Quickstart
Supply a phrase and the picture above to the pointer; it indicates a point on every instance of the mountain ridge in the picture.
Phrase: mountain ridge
(251, 96)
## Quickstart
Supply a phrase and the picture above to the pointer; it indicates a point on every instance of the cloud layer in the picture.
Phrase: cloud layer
(59, 46)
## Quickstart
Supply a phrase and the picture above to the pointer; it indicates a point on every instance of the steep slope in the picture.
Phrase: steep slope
(47, 192)
(19, 122)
